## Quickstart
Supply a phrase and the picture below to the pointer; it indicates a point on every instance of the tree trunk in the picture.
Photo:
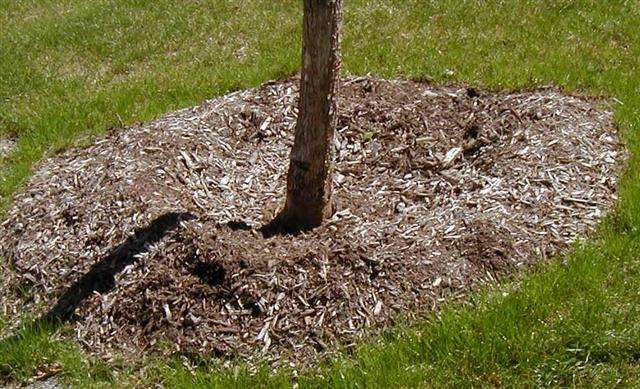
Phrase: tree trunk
(309, 178)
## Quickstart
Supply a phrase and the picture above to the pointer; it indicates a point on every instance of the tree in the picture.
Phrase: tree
(309, 177)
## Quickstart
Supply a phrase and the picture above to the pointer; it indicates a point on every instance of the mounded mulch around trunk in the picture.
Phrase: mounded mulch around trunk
(149, 240)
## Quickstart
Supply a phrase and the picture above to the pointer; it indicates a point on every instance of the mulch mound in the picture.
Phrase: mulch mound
(149, 240)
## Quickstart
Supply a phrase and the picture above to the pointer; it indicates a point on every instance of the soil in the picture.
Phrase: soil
(149, 241)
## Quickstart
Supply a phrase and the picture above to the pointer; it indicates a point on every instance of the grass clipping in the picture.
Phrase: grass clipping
(148, 241)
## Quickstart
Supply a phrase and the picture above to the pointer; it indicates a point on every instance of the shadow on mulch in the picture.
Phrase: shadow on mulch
(101, 277)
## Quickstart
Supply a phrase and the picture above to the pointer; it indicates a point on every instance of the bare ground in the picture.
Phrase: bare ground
(149, 240)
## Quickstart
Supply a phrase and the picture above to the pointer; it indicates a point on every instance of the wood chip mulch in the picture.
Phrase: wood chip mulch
(149, 240)
(7, 147)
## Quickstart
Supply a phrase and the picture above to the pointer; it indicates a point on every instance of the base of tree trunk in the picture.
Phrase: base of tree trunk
(294, 219)
(309, 176)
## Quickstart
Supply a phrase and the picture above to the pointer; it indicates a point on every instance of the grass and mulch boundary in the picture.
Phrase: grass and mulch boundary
(569, 323)
(76, 68)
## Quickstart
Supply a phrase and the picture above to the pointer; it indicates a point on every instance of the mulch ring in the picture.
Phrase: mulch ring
(149, 240)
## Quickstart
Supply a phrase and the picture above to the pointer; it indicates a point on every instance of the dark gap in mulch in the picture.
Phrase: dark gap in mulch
(210, 273)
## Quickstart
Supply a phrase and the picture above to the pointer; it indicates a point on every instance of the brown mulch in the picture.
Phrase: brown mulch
(148, 241)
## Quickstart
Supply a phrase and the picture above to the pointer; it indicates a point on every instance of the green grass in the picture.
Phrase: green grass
(71, 69)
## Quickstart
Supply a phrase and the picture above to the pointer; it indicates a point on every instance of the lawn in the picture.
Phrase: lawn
(69, 70)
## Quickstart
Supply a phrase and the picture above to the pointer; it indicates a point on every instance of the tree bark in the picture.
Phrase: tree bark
(309, 177)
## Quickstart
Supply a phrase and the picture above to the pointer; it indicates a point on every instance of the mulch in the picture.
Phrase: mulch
(149, 242)
(7, 146)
